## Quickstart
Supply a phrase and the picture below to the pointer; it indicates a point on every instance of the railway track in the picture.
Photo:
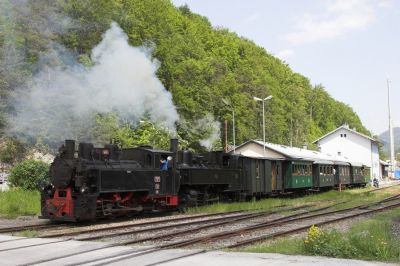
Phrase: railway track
(125, 255)
(73, 226)
(145, 224)
(378, 189)
(30, 227)
(278, 223)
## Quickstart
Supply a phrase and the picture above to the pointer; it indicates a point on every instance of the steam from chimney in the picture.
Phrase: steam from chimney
(61, 101)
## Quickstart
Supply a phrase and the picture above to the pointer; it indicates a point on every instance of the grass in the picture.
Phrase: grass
(17, 202)
(347, 198)
(29, 233)
(370, 239)
(367, 240)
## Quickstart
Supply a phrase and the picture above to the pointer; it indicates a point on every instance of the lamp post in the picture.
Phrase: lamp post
(263, 107)
(226, 102)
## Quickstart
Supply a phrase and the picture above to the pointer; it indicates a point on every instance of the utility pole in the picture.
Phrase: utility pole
(263, 109)
(392, 159)
(226, 135)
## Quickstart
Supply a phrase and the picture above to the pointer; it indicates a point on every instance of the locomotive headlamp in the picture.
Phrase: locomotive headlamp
(83, 189)
(169, 158)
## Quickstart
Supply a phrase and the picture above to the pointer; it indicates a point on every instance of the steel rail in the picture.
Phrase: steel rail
(137, 224)
(377, 189)
(258, 239)
(232, 221)
(131, 254)
(162, 227)
(269, 236)
(28, 227)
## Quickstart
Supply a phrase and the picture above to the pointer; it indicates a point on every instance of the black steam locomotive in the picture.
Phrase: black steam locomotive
(97, 182)
(93, 182)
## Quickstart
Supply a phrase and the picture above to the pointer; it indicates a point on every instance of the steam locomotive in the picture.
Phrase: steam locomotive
(92, 182)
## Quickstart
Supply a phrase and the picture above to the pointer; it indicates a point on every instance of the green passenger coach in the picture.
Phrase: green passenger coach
(342, 173)
(297, 174)
(323, 174)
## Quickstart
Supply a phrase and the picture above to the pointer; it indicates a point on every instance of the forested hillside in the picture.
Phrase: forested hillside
(198, 64)
(384, 138)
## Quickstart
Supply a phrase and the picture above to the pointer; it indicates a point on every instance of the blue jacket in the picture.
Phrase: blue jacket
(164, 165)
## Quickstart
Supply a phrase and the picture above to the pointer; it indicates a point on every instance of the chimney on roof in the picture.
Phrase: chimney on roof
(345, 125)
(305, 146)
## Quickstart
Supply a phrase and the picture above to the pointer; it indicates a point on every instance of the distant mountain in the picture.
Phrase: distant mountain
(385, 139)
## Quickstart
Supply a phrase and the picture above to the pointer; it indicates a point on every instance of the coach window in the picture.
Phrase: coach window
(257, 169)
(295, 169)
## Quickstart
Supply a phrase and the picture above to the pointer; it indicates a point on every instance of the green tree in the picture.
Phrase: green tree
(29, 174)
(11, 150)
(199, 65)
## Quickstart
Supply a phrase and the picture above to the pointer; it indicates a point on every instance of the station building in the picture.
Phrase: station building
(354, 145)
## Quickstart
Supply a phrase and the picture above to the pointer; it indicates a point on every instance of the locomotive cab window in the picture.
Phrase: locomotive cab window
(148, 161)
(225, 161)
(157, 161)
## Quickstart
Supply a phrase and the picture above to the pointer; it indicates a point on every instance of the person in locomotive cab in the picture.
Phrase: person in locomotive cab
(164, 164)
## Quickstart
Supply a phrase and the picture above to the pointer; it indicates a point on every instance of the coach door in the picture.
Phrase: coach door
(258, 177)
(276, 175)
(273, 174)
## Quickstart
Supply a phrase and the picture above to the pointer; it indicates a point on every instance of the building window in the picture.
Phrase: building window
(341, 135)
(339, 153)
(344, 135)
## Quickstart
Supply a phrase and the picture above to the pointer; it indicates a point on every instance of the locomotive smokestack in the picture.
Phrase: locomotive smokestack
(174, 146)
(69, 149)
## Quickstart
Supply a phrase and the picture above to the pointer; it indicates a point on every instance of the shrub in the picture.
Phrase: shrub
(29, 174)
(330, 244)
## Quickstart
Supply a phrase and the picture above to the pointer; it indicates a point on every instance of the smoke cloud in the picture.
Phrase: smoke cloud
(211, 130)
(61, 100)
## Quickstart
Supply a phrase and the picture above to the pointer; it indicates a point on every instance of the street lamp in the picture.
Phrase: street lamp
(226, 102)
(263, 106)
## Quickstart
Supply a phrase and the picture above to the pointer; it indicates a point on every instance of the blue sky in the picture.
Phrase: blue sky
(348, 46)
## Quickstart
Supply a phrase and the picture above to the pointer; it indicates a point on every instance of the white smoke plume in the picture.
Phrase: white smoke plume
(61, 101)
(211, 129)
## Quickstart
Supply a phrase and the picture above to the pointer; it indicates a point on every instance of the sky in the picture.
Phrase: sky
(350, 47)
